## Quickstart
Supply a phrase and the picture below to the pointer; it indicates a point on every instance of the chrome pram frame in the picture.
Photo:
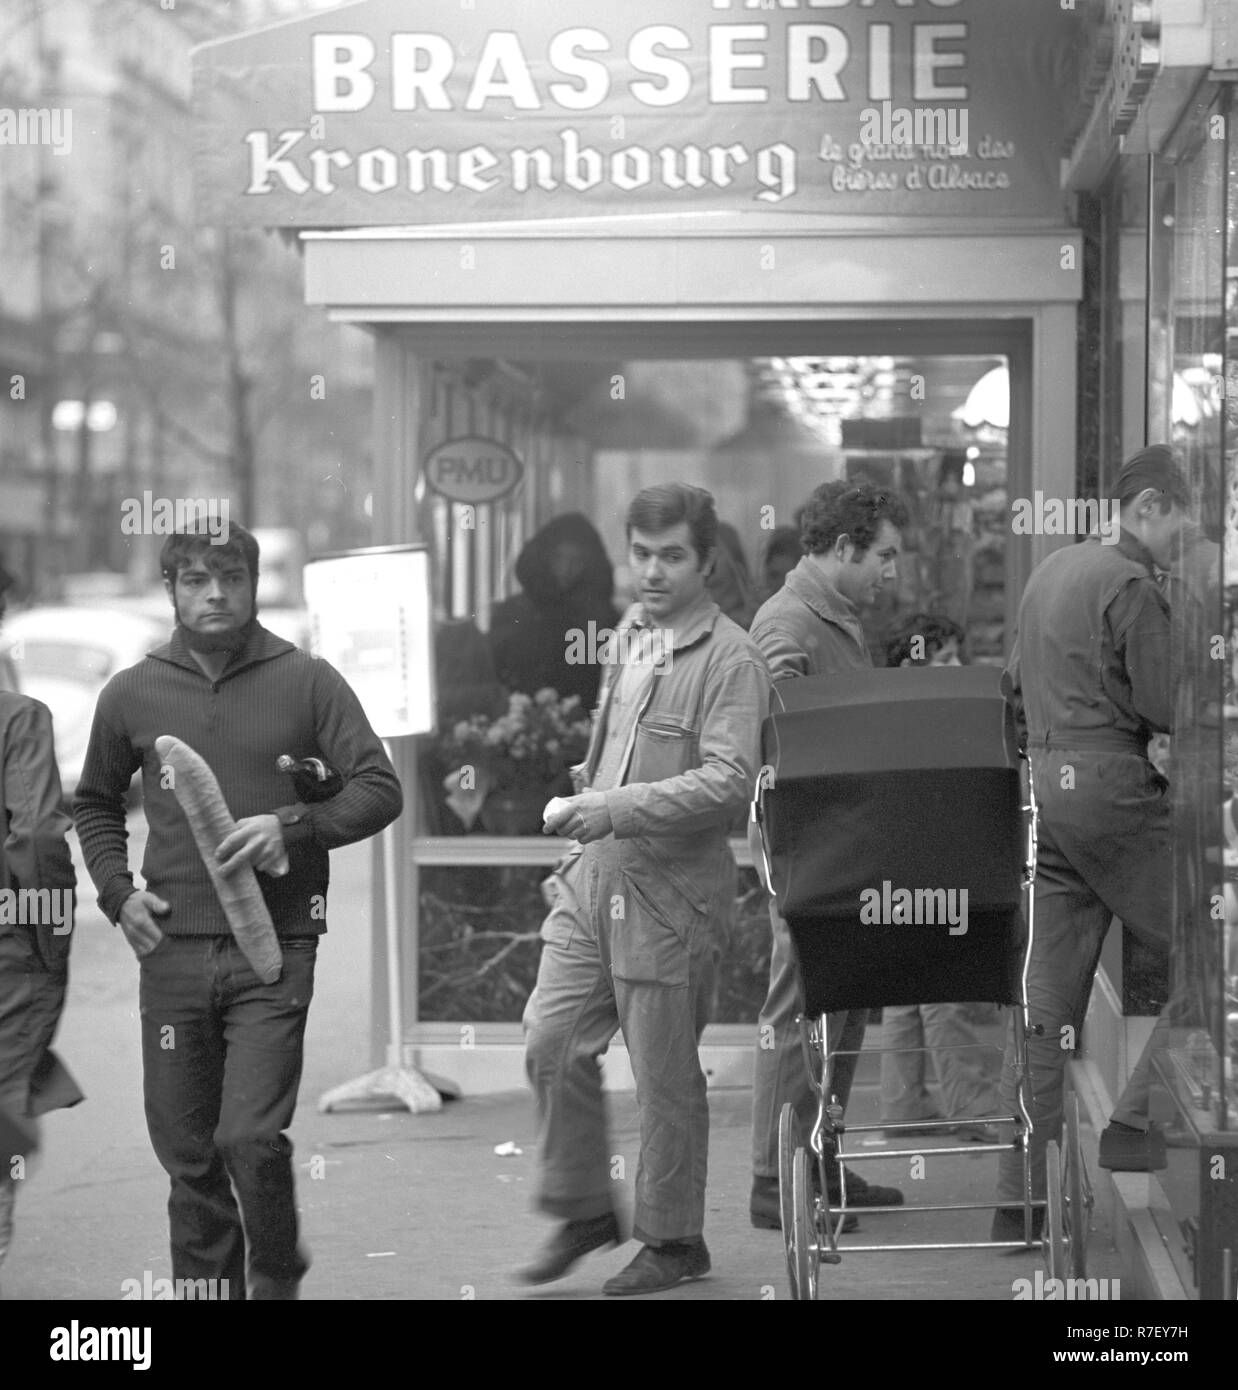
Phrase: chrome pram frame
(812, 1227)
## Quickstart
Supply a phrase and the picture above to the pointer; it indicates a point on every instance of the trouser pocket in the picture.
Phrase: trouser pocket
(653, 932)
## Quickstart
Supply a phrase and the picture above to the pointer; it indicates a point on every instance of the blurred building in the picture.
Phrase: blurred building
(153, 353)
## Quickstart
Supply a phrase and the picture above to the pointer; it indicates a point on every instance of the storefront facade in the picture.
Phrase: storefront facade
(1155, 170)
(1000, 313)
(704, 184)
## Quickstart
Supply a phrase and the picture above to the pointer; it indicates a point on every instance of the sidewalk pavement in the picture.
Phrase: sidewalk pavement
(400, 1206)
(423, 1207)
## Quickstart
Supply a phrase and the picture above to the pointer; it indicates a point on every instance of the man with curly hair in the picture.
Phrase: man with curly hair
(850, 534)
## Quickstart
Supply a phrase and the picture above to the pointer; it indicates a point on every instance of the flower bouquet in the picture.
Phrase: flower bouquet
(516, 761)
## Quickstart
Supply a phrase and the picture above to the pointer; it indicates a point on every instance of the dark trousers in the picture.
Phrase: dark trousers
(780, 1073)
(1104, 852)
(221, 1056)
(34, 973)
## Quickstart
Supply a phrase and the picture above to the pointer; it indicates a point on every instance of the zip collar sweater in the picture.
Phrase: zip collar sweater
(271, 698)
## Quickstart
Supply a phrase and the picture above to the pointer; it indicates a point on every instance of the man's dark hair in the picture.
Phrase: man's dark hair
(667, 504)
(934, 631)
(1154, 467)
(783, 540)
(182, 548)
(848, 509)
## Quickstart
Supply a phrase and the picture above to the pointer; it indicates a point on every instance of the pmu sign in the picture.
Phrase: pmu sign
(472, 469)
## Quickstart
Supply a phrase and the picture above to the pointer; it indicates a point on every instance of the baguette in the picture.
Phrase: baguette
(199, 796)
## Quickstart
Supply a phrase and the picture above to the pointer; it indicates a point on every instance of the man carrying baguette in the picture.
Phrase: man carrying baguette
(222, 1050)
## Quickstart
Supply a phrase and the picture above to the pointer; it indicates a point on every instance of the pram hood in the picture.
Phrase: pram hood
(892, 823)
(889, 720)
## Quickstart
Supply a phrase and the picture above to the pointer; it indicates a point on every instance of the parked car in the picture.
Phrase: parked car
(65, 656)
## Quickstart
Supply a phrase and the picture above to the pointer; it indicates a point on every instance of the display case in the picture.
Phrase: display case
(1193, 320)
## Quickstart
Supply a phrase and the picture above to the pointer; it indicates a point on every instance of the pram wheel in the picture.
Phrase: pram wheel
(788, 1142)
(802, 1246)
(1077, 1194)
(1054, 1232)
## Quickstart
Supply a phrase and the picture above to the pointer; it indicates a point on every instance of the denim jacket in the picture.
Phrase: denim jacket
(693, 751)
(808, 628)
(1090, 666)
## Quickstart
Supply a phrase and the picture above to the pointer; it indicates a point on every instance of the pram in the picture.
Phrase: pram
(898, 848)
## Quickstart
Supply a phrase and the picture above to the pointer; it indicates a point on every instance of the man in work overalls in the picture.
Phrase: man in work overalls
(630, 941)
(1091, 682)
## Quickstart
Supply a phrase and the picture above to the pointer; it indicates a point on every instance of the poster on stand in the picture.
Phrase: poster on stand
(370, 617)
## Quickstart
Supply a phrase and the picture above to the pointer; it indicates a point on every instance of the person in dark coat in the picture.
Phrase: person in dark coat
(782, 554)
(1090, 680)
(567, 581)
(37, 884)
(729, 583)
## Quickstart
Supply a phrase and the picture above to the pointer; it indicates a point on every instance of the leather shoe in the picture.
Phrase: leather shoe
(263, 1287)
(1125, 1149)
(571, 1242)
(1008, 1224)
(283, 1289)
(658, 1267)
(863, 1194)
(765, 1209)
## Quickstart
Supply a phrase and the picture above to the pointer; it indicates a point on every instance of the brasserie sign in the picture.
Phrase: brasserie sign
(388, 112)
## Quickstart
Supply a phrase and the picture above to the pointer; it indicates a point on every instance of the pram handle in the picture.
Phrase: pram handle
(765, 778)
(1029, 859)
